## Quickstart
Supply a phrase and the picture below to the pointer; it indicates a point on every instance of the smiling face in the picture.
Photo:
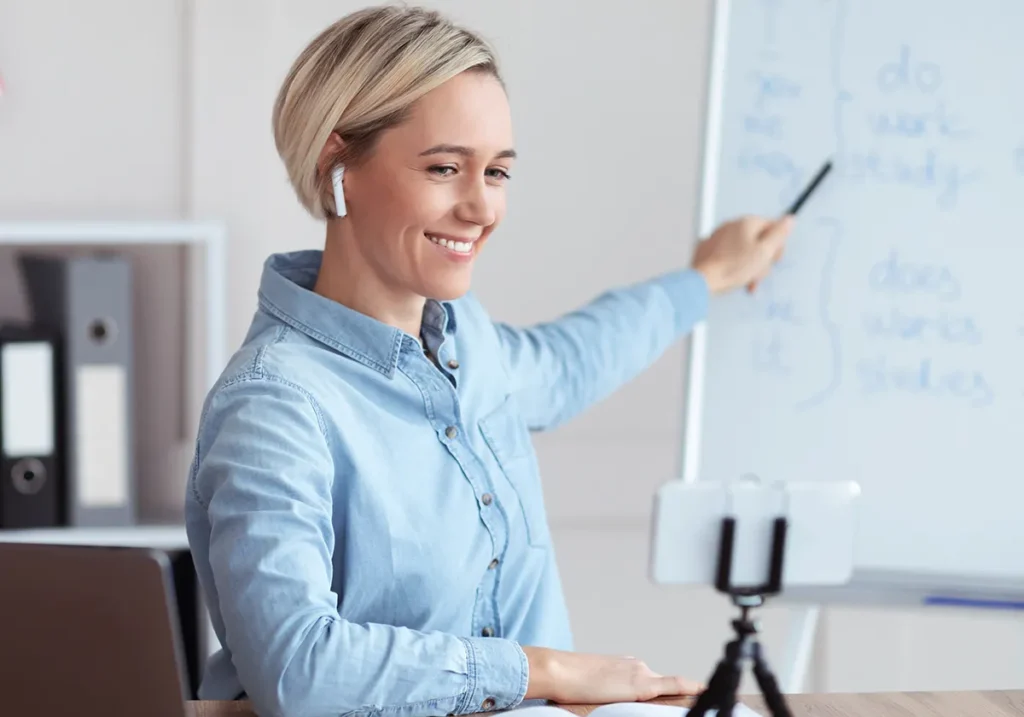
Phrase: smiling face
(422, 205)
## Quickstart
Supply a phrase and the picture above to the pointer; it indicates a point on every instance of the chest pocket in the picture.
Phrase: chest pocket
(509, 441)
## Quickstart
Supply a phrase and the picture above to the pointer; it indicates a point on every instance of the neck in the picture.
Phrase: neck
(347, 277)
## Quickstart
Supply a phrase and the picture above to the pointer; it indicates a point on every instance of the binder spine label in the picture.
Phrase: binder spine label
(100, 435)
(27, 399)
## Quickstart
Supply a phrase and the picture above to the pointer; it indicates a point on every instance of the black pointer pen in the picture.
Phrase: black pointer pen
(811, 187)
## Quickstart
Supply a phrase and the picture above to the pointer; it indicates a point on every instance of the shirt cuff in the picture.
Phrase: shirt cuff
(688, 291)
(498, 674)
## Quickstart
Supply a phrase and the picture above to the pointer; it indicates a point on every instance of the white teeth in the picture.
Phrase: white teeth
(458, 246)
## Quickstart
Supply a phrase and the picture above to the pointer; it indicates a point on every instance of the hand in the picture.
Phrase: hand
(741, 252)
(576, 678)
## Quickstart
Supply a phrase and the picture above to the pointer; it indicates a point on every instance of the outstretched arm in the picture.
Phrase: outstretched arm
(561, 367)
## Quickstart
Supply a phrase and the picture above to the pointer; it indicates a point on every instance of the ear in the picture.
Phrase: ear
(331, 152)
(331, 172)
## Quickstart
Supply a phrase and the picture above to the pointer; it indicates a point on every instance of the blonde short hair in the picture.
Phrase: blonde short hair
(359, 77)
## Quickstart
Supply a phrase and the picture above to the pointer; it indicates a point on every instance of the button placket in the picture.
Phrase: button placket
(443, 410)
(444, 348)
(486, 620)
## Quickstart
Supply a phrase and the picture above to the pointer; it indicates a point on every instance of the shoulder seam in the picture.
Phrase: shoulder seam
(274, 378)
(257, 364)
(250, 376)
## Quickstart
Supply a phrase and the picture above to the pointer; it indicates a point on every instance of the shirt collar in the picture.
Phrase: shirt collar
(286, 292)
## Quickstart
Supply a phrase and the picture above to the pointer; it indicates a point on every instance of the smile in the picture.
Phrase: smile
(459, 247)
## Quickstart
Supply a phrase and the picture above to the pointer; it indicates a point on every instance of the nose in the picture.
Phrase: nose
(478, 204)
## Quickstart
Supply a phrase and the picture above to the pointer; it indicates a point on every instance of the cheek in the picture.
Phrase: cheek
(419, 205)
(389, 210)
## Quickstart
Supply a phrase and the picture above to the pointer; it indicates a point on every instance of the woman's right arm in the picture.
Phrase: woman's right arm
(266, 478)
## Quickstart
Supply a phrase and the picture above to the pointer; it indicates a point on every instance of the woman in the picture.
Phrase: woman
(364, 506)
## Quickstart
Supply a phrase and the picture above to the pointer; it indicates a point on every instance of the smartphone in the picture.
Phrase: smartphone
(820, 518)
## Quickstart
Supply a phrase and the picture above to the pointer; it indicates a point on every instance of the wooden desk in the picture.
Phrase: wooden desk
(882, 704)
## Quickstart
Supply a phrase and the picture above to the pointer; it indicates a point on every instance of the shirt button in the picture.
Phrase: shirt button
(451, 431)
(488, 703)
(453, 364)
(486, 498)
(493, 564)
(487, 632)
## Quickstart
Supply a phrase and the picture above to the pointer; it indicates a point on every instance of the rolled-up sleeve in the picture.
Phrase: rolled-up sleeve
(266, 478)
(561, 367)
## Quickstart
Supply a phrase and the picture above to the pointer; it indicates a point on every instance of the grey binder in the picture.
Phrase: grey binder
(88, 301)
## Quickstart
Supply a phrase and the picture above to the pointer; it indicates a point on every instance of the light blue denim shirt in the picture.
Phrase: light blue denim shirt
(368, 526)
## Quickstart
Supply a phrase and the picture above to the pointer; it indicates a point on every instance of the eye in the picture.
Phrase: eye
(499, 173)
(442, 170)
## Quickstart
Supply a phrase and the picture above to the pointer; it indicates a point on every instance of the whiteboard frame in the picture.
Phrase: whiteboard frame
(902, 587)
(697, 345)
(866, 588)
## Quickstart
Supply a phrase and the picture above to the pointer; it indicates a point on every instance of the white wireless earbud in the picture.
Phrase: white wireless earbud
(339, 190)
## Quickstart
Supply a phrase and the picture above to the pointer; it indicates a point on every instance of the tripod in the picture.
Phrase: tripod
(721, 689)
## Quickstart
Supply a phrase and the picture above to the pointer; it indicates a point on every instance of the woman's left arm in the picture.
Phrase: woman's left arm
(561, 367)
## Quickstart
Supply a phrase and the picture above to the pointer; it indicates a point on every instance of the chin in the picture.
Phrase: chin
(450, 293)
(446, 290)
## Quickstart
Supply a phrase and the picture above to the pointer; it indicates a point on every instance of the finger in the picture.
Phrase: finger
(678, 686)
(752, 227)
(754, 285)
(756, 281)
(776, 233)
(780, 250)
(774, 241)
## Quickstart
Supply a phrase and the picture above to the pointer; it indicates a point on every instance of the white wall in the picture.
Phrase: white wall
(163, 109)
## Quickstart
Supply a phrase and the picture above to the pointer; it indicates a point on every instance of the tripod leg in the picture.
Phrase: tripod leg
(711, 697)
(769, 686)
(728, 700)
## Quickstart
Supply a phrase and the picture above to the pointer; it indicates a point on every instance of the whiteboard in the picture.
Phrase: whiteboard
(887, 347)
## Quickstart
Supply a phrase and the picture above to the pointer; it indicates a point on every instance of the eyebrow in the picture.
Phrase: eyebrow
(464, 151)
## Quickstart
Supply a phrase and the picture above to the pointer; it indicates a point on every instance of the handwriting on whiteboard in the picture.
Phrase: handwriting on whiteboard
(910, 135)
(914, 137)
(920, 313)
(765, 124)
(907, 324)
